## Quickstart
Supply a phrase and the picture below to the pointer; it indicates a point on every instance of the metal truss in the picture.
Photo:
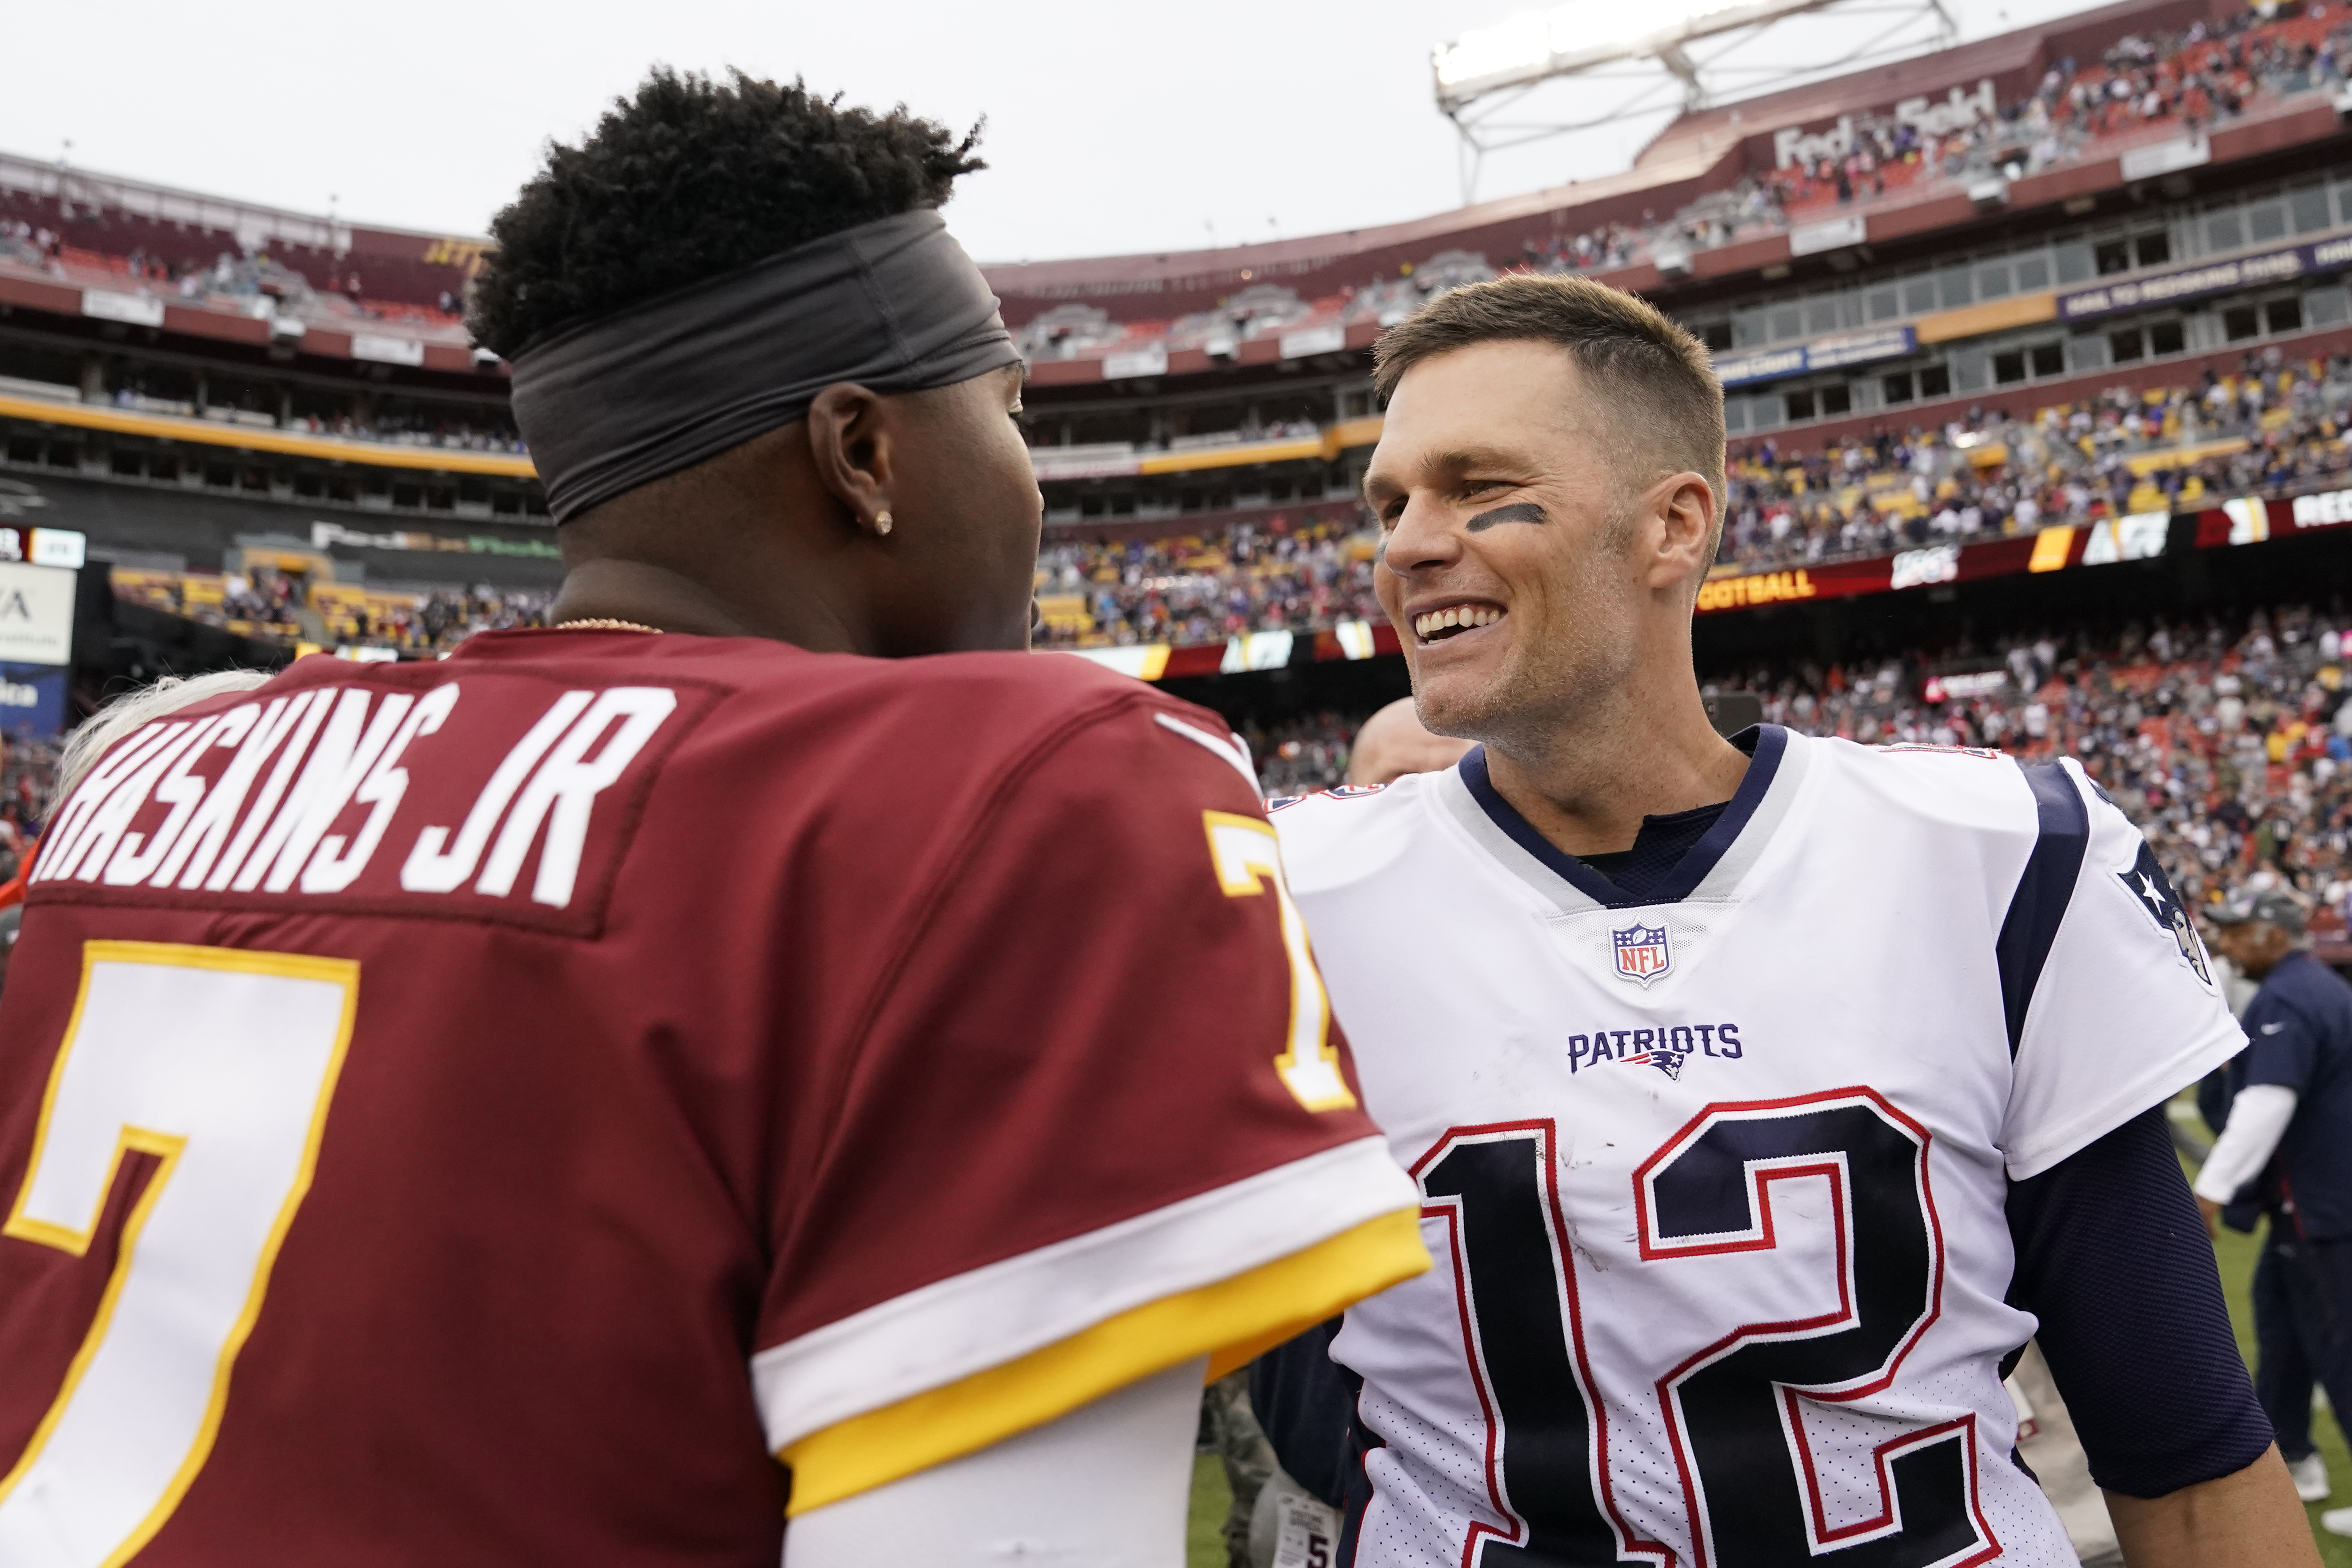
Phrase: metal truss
(1687, 68)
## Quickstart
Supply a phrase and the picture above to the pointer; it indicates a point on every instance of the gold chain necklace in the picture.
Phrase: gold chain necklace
(602, 624)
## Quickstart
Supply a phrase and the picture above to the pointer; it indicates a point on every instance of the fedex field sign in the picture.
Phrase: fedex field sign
(2329, 509)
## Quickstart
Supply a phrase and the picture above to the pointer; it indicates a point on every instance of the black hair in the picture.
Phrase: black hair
(692, 178)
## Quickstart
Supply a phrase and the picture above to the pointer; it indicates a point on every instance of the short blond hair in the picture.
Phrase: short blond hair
(1659, 379)
(127, 712)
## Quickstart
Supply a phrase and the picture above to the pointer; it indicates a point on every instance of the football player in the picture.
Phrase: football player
(748, 1050)
(1764, 1095)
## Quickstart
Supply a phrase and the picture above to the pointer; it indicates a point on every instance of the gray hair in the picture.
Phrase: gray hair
(133, 709)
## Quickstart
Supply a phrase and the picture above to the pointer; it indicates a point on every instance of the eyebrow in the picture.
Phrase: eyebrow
(1458, 461)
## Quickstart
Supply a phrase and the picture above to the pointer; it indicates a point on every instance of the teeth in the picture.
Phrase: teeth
(1463, 616)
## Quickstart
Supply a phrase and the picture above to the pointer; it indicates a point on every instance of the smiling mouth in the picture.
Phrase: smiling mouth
(1437, 625)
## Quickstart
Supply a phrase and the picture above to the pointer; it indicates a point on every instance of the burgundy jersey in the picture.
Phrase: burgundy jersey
(492, 1111)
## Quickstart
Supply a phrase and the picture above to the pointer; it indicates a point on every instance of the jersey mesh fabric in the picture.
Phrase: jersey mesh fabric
(2111, 1257)
(1657, 849)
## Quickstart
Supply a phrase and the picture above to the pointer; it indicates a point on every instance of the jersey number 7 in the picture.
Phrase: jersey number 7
(220, 1064)
(1249, 861)
(1734, 1410)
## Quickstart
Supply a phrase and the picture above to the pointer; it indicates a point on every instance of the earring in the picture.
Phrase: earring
(881, 523)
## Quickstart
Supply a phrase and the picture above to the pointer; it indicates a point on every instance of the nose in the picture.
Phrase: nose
(1423, 539)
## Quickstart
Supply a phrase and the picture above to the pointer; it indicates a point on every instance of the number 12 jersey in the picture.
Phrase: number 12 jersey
(1714, 1177)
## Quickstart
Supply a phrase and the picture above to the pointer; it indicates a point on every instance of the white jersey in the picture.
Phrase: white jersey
(1715, 1179)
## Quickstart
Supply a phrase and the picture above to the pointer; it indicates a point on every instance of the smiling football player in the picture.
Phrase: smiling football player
(1765, 1096)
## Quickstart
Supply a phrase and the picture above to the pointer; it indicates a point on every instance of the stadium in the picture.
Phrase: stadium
(2071, 375)
(2036, 355)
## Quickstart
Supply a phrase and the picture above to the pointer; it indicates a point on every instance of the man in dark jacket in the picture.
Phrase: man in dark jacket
(2287, 1142)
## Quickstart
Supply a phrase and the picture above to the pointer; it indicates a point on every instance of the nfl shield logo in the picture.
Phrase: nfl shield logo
(1641, 952)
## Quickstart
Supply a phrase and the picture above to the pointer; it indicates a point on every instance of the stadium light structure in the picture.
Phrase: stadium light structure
(1649, 59)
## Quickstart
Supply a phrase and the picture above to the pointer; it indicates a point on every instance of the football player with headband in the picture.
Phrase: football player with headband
(765, 1070)
(1765, 1096)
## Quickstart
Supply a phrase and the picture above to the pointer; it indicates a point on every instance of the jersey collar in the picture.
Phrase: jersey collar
(1709, 870)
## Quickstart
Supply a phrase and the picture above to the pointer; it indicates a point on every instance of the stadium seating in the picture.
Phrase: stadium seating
(2273, 427)
(2276, 427)
(348, 617)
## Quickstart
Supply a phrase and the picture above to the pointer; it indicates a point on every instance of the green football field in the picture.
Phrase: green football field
(2236, 1254)
(1205, 1538)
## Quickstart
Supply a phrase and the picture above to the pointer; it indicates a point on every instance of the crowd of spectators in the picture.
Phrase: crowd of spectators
(2197, 79)
(2229, 744)
(1303, 755)
(264, 601)
(443, 617)
(413, 431)
(28, 774)
(1252, 577)
(2276, 426)
(134, 391)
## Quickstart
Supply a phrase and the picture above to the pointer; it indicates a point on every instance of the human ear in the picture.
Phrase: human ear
(851, 435)
(1685, 509)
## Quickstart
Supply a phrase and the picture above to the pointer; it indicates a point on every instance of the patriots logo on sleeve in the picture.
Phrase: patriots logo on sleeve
(2152, 890)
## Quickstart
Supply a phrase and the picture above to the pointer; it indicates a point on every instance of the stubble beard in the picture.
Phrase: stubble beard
(1547, 684)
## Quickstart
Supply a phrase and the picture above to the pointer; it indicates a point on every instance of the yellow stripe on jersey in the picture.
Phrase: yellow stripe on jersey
(1229, 1322)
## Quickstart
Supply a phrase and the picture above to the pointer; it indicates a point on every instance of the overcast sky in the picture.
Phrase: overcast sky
(1112, 127)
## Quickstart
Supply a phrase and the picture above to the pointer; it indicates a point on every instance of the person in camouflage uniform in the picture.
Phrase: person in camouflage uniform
(1248, 1457)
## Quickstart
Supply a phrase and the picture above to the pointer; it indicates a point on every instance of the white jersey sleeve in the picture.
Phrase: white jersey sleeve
(2111, 1001)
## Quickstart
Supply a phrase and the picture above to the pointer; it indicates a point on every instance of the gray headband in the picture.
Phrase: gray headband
(894, 305)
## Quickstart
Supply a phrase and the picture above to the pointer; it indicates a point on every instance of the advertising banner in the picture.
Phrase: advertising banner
(32, 702)
(1759, 364)
(1833, 353)
(2203, 278)
(36, 614)
(1859, 348)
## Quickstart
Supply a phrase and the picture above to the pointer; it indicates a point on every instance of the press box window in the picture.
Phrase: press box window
(2040, 359)
(2241, 321)
(1935, 381)
(2167, 338)
(2284, 315)
(1898, 388)
(2126, 344)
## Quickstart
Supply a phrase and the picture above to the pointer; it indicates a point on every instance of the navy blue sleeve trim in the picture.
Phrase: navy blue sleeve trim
(1305, 1403)
(2111, 1257)
(2039, 905)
